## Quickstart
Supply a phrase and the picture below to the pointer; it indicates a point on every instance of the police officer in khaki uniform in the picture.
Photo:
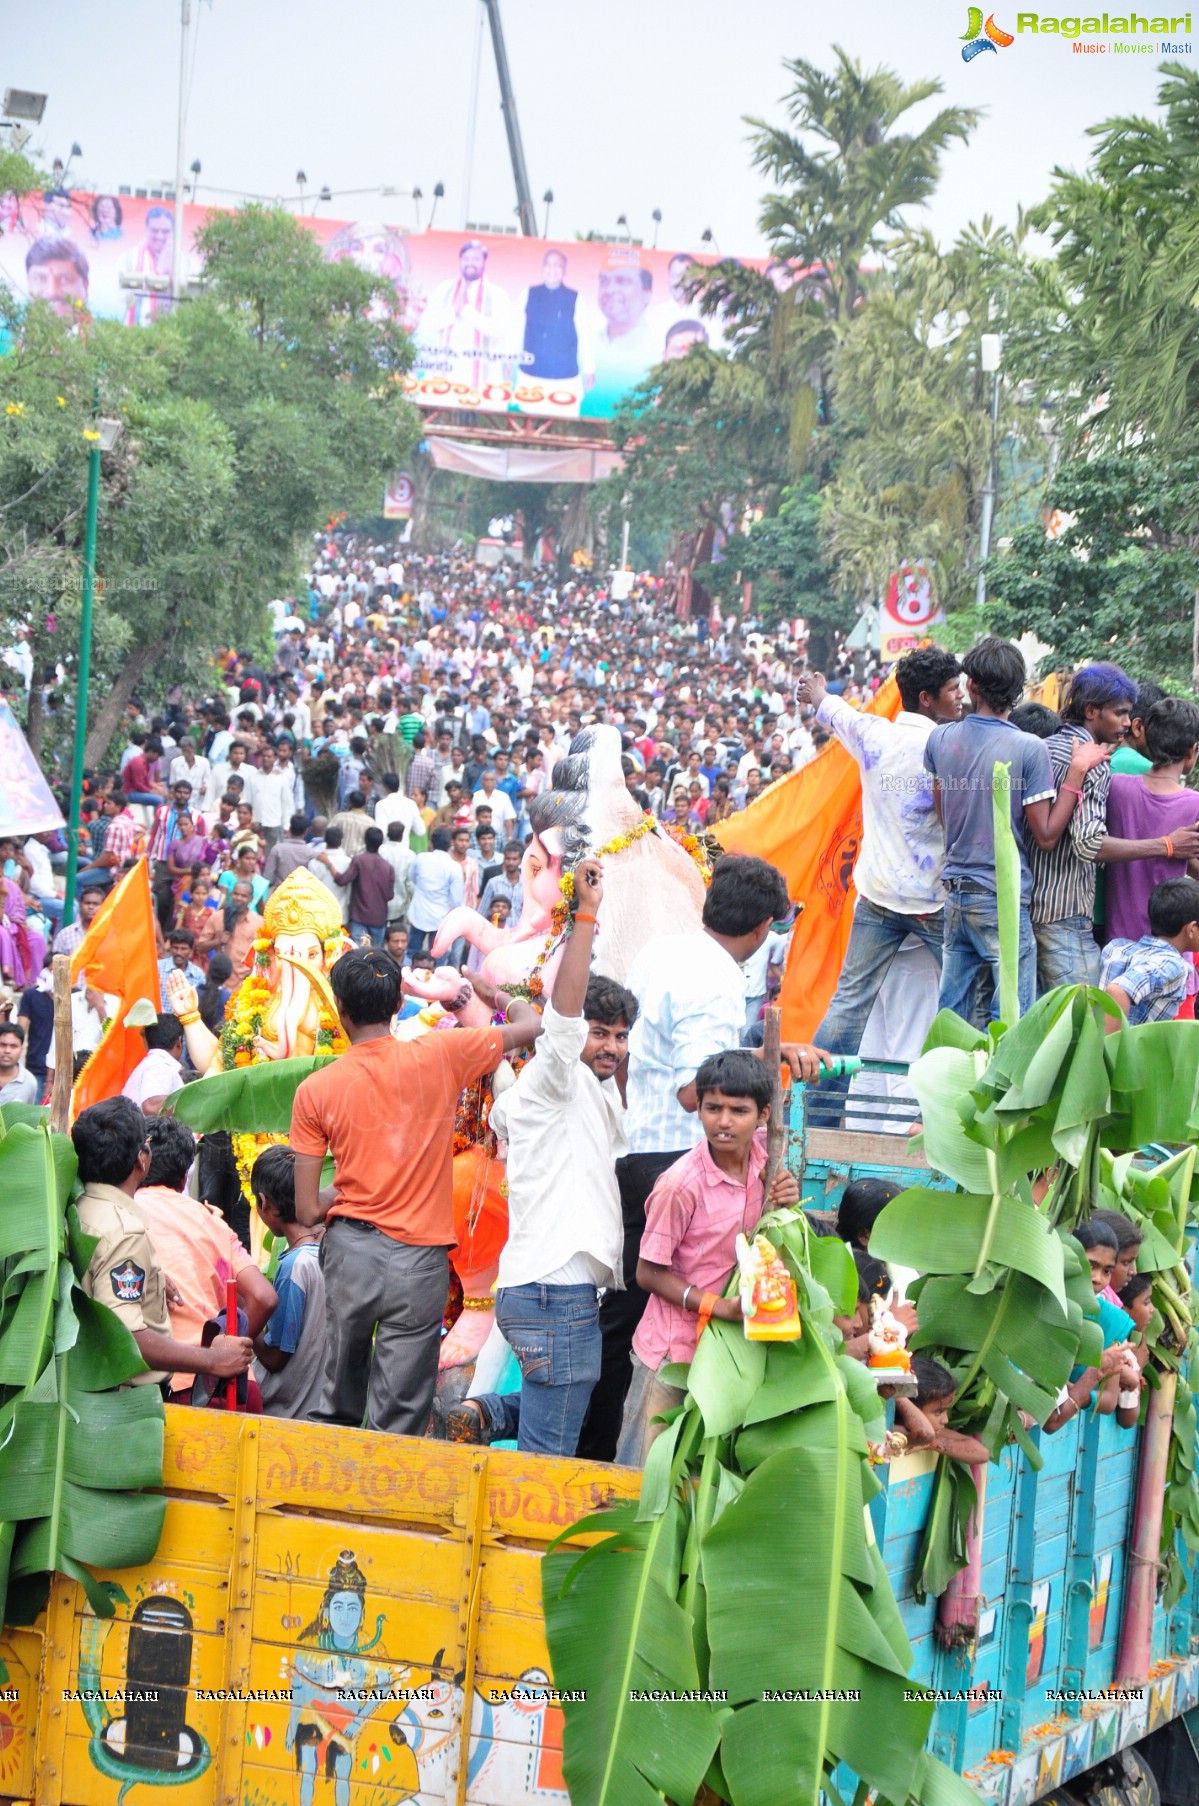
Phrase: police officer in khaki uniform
(123, 1273)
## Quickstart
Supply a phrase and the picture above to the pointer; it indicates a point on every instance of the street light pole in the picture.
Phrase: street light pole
(990, 358)
(177, 226)
(85, 668)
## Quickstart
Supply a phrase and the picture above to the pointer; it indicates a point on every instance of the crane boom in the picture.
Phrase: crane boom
(520, 175)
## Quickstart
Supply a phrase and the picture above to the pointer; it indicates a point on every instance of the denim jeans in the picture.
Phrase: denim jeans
(554, 1333)
(1067, 953)
(970, 961)
(374, 935)
(147, 799)
(874, 940)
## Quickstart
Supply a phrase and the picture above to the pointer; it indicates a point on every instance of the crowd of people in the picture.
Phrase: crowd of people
(396, 746)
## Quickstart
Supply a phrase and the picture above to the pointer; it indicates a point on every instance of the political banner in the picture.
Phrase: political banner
(500, 324)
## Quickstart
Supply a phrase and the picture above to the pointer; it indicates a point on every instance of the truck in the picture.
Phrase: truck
(336, 1616)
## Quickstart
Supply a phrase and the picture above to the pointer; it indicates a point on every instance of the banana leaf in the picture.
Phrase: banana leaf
(1007, 885)
(80, 1450)
(614, 1626)
(29, 1114)
(697, 1588)
(252, 1100)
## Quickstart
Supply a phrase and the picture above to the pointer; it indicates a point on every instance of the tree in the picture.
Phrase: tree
(251, 413)
(735, 427)
(1119, 578)
(913, 430)
(783, 557)
(1125, 336)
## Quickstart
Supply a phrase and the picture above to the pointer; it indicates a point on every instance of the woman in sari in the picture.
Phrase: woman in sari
(22, 948)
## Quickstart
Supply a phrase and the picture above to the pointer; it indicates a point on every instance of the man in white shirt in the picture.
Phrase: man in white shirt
(503, 809)
(160, 1074)
(690, 992)
(437, 887)
(190, 765)
(562, 1119)
(273, 800)
(233, 767)
(393, 805)
(898, 871)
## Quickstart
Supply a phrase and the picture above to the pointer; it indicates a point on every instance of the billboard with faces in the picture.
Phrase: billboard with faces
(500, 324)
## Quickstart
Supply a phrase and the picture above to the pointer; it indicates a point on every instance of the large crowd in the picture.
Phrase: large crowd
(399, 744)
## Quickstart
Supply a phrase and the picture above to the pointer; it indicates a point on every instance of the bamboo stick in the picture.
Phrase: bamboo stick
(776, 1133)
(64, 1056)
(1140, 1594)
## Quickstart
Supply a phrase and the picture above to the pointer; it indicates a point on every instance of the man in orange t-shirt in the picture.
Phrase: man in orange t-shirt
(385, 1109)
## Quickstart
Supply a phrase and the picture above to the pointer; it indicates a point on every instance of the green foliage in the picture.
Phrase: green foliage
(1127, 239)
(783, 557)
(684, 1591)
(79, 1449)
(250, 412)
(1007, 1304)
(913, 433)
(1119, 580)
(735, 427)
(253, 1100)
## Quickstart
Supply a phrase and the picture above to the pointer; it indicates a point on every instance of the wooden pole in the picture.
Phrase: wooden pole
(64, 1057)
(776, 1133)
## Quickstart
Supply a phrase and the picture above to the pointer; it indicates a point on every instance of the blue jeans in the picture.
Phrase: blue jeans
(148, 798)
(554, 1333)
(1067, 953)
(97, 877)
(970, 961)
(374, 935)
(874, 940)
(51, 907)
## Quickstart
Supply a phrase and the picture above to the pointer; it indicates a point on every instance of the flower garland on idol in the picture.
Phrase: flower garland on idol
(560, 914)
(244, 1024)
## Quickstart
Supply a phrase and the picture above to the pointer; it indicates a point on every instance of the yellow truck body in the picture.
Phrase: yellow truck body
(333, 1618)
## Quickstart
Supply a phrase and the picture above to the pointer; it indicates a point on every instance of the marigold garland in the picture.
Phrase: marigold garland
(534, 986)
(243, 1024)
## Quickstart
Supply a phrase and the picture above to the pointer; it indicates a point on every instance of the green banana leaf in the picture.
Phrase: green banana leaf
(1007, 884)
(694, 1588)
(79, 1448)
(252, 1100)
(30, 1114)
(614, 1626)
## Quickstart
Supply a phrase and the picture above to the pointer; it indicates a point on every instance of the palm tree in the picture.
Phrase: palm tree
(843, 177)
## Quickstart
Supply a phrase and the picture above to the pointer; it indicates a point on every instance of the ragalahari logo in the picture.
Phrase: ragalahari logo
(979, 37)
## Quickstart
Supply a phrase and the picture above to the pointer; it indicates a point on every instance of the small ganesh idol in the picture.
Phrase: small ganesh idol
(769, 1306)
(887, 1340)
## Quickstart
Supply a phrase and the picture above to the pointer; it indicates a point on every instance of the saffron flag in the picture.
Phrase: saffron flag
(809, 825)
(118, 955)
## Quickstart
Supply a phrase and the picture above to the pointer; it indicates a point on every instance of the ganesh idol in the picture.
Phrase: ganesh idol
(652, 885)
(285, 1007)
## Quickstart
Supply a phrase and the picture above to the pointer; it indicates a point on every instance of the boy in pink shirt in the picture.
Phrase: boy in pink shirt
(695, 1213)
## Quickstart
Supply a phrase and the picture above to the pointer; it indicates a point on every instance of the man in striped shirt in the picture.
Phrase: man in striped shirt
(1097, 708)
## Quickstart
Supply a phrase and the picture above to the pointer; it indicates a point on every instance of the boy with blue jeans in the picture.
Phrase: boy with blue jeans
(563, 1121)
(961, 758)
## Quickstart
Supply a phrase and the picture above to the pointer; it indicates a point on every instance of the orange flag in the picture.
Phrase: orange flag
(118, 954)
(810, 826)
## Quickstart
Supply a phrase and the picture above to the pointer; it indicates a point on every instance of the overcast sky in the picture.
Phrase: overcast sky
(624, 105)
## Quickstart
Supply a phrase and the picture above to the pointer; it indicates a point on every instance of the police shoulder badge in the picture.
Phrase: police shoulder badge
(128, 1282)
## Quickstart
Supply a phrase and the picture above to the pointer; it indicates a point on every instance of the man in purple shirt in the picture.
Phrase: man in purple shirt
(372, 884)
